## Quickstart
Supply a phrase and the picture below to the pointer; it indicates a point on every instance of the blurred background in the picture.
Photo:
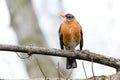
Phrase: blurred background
(36, 22)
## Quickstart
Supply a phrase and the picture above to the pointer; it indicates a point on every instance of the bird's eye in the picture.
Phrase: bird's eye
(69, 16)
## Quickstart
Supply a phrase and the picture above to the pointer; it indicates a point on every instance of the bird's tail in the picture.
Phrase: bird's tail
(71, 63)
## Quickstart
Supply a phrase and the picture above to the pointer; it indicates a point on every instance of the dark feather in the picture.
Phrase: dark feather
(81, 33)
(81, 42)
(61, 38)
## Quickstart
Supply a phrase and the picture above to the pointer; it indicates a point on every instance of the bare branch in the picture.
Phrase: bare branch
(21, 56)
(41, 69)
(60, 74)
(92, 69)
(84, 70)
(58, 70)
(82, 55)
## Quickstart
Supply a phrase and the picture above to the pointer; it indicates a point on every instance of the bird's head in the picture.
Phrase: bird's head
(68, 17)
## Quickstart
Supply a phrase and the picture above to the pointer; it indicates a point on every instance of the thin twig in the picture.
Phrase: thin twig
(21, 57)
(92, 68)
(58, 70)
(41, 69)
(29, 54)
(60, 73)
(36, 62)
(84, 70)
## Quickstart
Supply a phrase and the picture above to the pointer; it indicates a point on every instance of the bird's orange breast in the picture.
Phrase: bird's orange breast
(71, 33)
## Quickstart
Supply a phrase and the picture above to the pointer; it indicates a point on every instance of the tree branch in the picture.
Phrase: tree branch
(82, 55)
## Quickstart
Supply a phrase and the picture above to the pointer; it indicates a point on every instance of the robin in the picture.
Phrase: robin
(70, 35)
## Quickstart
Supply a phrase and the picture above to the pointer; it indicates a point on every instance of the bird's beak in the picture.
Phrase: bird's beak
(63, 16)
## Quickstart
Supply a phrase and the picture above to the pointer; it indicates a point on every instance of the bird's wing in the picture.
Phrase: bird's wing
(61, 38)
(81, 42)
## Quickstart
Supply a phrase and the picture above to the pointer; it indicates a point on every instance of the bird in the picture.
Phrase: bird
(70, 35)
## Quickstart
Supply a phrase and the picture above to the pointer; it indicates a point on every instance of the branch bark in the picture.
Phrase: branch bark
(82, 55)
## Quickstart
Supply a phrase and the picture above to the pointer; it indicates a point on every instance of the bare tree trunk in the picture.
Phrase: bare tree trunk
(25, 24)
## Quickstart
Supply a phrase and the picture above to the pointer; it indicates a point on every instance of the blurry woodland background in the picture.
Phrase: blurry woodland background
(36, 23)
